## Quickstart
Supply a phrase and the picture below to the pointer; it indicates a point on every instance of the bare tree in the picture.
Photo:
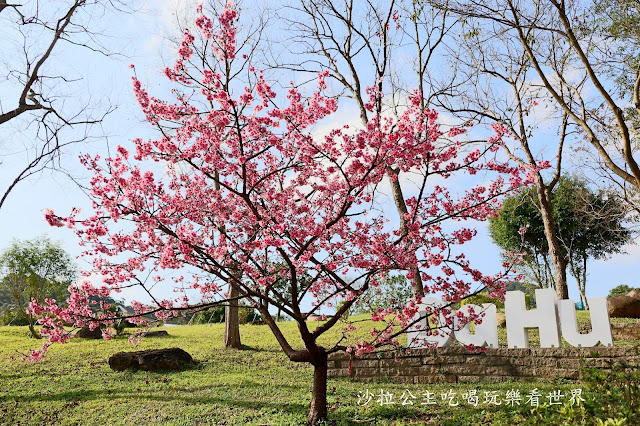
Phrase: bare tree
(585, 57)
(497, 86)
(362, 42)
(37, 99)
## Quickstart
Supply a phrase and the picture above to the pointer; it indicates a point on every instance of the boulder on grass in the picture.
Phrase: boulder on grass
(623, 306)
(157, 333)
(86, 333)
(152, 359)
(635, 293)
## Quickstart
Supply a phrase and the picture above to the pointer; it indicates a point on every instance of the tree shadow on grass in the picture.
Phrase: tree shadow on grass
(257, 349)
(231, 400)
(242, 401)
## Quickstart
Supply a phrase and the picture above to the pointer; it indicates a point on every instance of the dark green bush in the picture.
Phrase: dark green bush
(10, 316)
(215, 314)
(616, 393)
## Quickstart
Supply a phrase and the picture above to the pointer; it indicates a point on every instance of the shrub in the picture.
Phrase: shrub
(394, 291)
(480, 298)
(617, 391)
(215, 314)
(10, 316)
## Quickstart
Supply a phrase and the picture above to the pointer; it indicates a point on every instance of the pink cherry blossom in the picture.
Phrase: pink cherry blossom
(249, 197)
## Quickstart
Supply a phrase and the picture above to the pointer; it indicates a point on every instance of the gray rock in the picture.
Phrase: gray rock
(152, 359)
(86, 333)
(158, 333)
(623, 306)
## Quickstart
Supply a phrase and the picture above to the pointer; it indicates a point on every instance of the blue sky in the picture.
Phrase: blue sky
(143, 35)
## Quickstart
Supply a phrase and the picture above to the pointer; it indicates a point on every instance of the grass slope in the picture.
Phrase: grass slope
(257, 386)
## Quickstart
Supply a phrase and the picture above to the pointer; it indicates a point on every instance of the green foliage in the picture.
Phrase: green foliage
(216, 315)
(588, 225)
(589, 222)
(479, 299)
(248, 315)
(10, 315)
(346, 314)
(622, 289)
(209, 316)
(519, 211)
(483, 296)
(529, 291)
(618, 393)
(394, 291)
(34, 269)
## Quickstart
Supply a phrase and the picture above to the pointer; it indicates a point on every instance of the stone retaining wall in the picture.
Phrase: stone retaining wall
(456, 364)
(626, 331)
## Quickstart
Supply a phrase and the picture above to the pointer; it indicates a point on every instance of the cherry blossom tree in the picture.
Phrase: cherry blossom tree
(245, 194)
(249, 38)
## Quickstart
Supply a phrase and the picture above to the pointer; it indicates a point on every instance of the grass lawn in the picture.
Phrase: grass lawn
(257, 385)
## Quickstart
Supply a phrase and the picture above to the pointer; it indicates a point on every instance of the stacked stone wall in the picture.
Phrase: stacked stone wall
(456, 364)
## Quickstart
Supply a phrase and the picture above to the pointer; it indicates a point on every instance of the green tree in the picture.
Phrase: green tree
(588, 224)
(394, 291)
(620, 290)
(35, 269)
(519, 212)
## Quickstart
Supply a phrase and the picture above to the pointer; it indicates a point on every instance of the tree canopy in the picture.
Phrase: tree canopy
(34, 270)
(589, 224)
(247, 197)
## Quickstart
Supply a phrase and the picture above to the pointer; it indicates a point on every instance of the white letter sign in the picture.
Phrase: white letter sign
(549, 318)
(520, 319)
(486, 332)
(600, 330)
(418, 334)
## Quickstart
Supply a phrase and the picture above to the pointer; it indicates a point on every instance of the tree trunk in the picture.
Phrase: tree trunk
(32, 329)
(583, 287)
(401, 206)
(549, 279)
(318, 409)
(231, 323)
(583, 299)
(558, 260)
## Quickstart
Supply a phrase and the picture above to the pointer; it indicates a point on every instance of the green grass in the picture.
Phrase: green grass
(257, 385)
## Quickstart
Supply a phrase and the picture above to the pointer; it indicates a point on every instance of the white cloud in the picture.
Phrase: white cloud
(630, 256)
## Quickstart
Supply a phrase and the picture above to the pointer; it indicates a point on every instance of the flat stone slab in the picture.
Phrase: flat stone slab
(159, 333)
(152, 359)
